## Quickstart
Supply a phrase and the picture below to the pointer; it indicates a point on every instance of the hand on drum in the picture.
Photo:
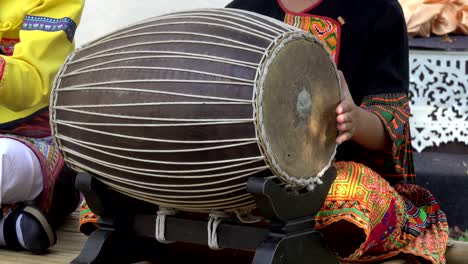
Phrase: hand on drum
(358, 124)
(348, 113)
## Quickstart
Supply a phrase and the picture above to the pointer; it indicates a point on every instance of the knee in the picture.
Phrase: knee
(20, 172)
(343, 237)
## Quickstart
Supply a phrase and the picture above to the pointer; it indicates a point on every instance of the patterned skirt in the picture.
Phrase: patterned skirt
(371, 220)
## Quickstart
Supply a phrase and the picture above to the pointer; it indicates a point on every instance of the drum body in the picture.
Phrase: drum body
(181, 109)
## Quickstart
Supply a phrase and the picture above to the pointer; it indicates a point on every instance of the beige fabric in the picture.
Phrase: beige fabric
(435, 17)
(20, 173)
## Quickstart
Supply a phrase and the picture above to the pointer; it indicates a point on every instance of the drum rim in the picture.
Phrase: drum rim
(264, 146)
(53, 102)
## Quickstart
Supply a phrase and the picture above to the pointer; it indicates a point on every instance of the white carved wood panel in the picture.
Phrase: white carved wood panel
(438, 98)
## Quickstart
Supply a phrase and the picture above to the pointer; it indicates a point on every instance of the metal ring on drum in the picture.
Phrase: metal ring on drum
(180, 110)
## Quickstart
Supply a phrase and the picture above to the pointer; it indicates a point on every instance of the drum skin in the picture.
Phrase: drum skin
(181, 109)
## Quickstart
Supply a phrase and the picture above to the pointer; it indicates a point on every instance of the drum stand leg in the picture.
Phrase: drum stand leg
(110, 243)
(292, 238)
(97, 247)
(301, 248)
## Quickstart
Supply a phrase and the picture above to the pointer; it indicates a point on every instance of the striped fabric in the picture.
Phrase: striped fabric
(49, 24)
(36, 127)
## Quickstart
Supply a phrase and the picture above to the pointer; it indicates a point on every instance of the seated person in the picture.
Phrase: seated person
(36, 189)
(371, 213)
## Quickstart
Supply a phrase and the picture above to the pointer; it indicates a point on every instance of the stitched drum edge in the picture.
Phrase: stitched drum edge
(52, 110)
(264, 146)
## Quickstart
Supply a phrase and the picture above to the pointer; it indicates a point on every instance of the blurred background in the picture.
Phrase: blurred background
(101, 17)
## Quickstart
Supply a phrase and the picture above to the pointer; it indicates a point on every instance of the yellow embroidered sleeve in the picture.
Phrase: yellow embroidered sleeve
(46, 38)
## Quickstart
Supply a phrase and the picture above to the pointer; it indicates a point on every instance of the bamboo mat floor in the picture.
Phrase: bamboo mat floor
(69, 244)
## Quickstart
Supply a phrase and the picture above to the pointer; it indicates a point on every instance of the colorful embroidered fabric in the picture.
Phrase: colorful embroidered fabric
(36, 135)
(88, 220)
(402, 220)
(7, 46)
(325, 29)
(50, 25)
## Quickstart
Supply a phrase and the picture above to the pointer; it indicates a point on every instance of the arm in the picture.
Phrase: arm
(381, 122)
(46, 39)
(387, 73)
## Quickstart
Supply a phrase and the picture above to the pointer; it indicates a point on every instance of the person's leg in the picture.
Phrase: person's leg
(21, 181)
(365, 219)
(355, 205)
(343, 237)
(20, 172)
(66, 197)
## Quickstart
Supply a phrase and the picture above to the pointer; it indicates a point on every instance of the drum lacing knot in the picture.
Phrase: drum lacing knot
(311, 186)
(161, 224)
(216, 218)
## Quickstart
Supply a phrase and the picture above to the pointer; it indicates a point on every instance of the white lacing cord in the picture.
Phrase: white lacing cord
(161, 224)
(216, 217)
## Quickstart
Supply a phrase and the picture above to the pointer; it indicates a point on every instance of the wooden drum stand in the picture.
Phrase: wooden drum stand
(127, 229)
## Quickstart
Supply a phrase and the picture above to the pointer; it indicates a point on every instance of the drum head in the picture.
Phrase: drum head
(297, 99)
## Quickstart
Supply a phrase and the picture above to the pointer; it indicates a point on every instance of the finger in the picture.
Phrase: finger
(343, 137)
(344, 106)
(345, 127)
(344, 118)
